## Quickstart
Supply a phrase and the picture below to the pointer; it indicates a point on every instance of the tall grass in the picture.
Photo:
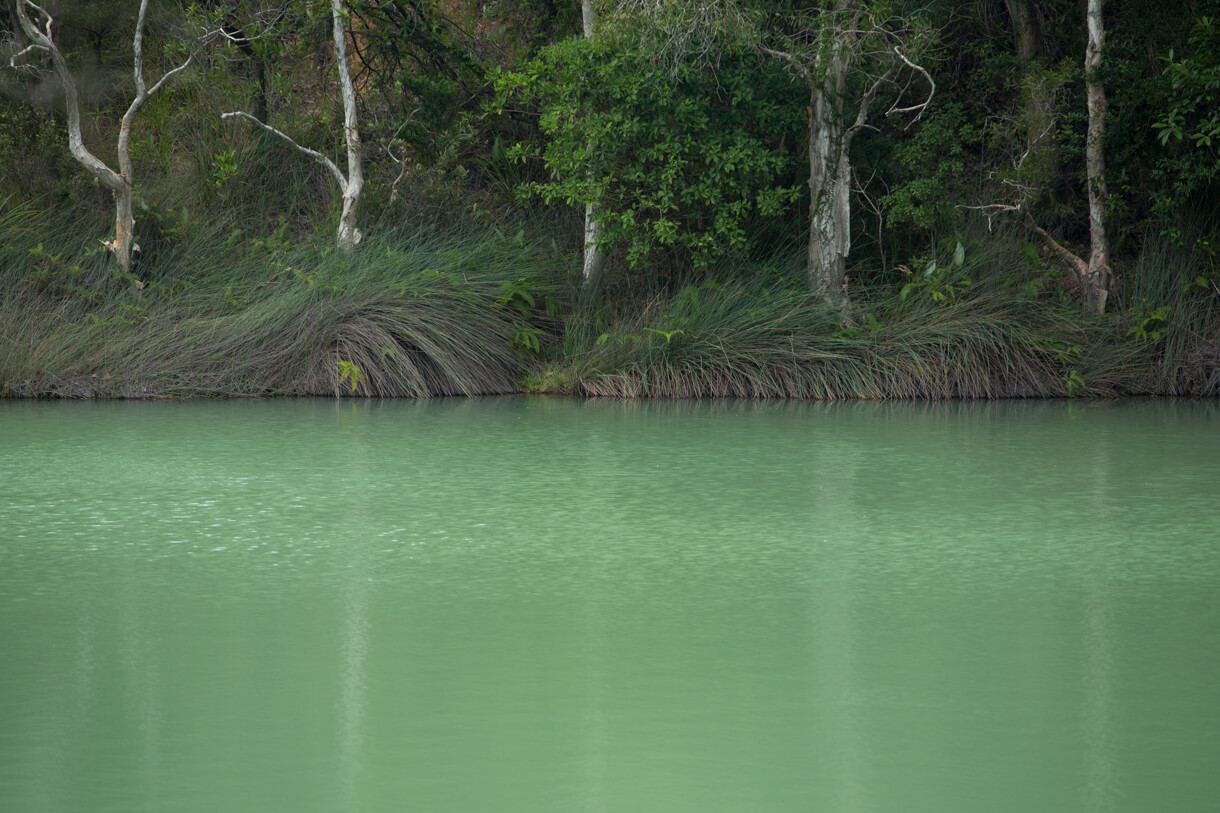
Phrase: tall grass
(235, 307)
(994, 326)
(407, 314)
(755, 341)
(1171, 307)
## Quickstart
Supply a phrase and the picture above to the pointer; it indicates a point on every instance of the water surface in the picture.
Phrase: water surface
(552, 605)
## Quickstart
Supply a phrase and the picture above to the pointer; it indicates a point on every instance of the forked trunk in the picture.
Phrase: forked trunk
(119, 183)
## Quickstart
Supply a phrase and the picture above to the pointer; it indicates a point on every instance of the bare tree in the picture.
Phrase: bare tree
(41, 38)
(1094, 276)
(352, 183)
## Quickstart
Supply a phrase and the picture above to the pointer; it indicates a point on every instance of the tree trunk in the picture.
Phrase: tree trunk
(1097, 278)
(829, 180)
(594, 258)
(119, 183)
(348, 235)
(124, 229)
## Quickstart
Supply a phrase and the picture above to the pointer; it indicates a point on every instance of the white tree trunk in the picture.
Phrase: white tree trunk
(351, 184)
(1097, 277)
(119, 183)
(348, 235)
(594, 258)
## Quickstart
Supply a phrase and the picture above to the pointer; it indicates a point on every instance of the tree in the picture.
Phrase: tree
(594, 256)
(1094, 275)
(832, 51)
(119, 183)
(1097, 273)
(351, 184)
(846, 55)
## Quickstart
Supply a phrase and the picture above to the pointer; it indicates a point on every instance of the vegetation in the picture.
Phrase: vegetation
(943, 253)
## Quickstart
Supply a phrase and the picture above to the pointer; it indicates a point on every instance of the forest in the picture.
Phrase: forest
(630, 198)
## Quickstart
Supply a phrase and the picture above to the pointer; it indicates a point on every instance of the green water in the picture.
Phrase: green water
(545, 605)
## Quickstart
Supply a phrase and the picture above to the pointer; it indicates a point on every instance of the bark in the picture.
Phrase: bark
(10, 8)
(348, 235)
(351, 184)
(830, 140)
(234, 33)
(1097, 277)
(119, 183)
(1024, 28)
(829, 179)
(594, 257)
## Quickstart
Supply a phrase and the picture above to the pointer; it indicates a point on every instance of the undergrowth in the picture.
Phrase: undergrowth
(217, 310)
(409, 314)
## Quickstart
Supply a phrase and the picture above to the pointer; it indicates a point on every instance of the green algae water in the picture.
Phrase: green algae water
(553, 605)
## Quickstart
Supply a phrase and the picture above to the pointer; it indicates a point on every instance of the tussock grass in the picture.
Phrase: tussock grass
(756, 341)
(228, 310)
(407, 314)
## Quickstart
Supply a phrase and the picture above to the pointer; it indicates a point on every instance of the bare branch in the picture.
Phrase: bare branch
(801, 68)
(1072, 259)
(314, 154)
(895, 110)
(170, 75)
(862, 115)
(402, 162)
(137, 47)
(12, 62)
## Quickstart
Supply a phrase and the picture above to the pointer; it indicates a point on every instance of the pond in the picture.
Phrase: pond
(558, 605)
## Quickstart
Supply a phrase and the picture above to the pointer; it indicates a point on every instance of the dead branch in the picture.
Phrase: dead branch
(334, 170)
(895, 110)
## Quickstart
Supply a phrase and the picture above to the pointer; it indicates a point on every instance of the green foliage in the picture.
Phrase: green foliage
(350, 375)
(1189, 130)
(410, 315)
(761, 340)
(1150, 323)
(941, 284)
(684, 164)
(933, 165)
(1195, 116)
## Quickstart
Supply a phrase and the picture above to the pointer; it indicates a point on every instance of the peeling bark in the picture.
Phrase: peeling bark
(1097, 277)
(348, 235)
(829, 177)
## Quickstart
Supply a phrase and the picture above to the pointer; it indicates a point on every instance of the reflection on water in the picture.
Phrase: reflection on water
(535, 604)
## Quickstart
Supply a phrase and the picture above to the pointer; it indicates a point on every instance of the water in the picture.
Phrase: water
(546, 605)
